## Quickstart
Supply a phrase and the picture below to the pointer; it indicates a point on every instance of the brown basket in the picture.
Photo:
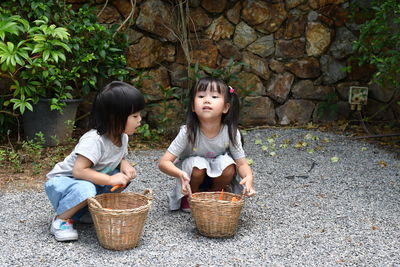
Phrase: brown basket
(119, 218)
(214, 217)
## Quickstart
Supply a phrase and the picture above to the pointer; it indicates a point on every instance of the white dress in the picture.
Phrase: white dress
(212, 154)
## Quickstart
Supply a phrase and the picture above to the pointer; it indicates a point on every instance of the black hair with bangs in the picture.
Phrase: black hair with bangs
(231, 118)
(112, 107)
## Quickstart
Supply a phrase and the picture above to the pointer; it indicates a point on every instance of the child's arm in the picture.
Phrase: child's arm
(82, 170)
(245, 172)
(167, 166)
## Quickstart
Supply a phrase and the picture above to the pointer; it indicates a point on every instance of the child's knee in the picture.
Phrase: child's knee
(229, 171)
(84, 188)
(198, 173)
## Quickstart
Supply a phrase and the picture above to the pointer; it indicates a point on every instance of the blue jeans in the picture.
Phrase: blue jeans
(66, 192)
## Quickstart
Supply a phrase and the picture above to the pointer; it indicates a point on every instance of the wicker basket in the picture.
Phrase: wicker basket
(119, 218)
(214, 217)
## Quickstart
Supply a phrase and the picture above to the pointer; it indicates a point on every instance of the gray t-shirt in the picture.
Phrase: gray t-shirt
(206, 147)
(104, 155)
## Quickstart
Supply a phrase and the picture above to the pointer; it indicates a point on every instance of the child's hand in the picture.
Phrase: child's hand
(127, 169)
(119, 178)
(247, 182)
(185, 181)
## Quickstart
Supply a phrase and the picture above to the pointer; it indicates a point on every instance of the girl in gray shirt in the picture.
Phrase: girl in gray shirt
(98, 161)
(207, 152)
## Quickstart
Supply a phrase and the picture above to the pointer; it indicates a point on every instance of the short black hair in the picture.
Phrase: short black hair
(112, 106)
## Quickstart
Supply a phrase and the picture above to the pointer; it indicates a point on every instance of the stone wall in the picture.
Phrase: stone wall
(294, 52)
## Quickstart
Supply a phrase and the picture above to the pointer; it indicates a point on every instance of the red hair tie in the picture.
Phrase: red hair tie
(231, 90)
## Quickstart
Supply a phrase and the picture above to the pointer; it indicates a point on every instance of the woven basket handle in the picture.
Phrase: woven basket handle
(243, 192)
(148, 192)
(189, 189)
(95, 202)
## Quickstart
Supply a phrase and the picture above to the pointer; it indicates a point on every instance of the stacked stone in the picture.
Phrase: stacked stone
(295, 52)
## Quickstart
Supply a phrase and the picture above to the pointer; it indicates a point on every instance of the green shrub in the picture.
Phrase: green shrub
(379, 42)
(28, 51)
(94, 53)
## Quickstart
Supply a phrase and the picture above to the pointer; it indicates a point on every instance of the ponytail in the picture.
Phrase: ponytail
(231, 119)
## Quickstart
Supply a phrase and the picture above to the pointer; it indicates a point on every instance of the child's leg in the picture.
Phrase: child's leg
(71, 212)
(226, 177)
(82, 214)
(82, 208)
(67, 195)
(196, 179)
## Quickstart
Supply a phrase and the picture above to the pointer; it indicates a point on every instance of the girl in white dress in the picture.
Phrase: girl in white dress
(207, 153)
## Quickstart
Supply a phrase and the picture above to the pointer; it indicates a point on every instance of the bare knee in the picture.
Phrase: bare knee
(197, 173)
(196, 179)
(229, 171)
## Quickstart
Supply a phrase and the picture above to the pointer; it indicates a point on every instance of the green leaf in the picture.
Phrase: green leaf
(271, 140)
(4, 67)
(334, 159)
(29, 106)
(46, 55)
(39, 38)
(13, 61)
(102, 53)
(61, 56)
(64, 46)
(10, 46)
(54, 55)
(19, 60)
(115, 49)
(308, 136)
(38, 48)
(10, 27)
(258, 142)
(311, 150)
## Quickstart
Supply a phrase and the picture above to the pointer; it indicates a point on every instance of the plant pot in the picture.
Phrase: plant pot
(56, 126)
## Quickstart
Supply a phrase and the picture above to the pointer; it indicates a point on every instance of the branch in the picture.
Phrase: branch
(9, 113)
(6, 95)
(376, 136)
(5, 76)
(394, 98)
(104, 7)
(363, 123)
(133, 5)
(8, 132)
(82, 117)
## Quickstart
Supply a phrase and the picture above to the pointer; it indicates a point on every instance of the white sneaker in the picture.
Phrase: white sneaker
(63, 230)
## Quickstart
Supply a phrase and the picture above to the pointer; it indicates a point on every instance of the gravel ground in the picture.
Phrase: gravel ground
(309, 211)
